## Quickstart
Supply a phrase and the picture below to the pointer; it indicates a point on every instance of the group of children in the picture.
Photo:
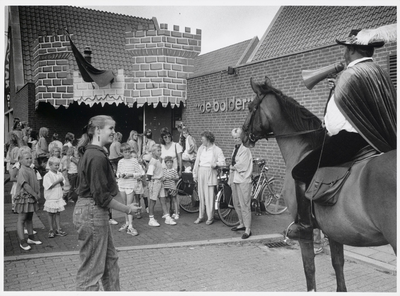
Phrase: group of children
(137, 178)
(59, 185)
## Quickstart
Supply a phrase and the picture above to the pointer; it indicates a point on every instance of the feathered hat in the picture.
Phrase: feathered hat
(371, 37)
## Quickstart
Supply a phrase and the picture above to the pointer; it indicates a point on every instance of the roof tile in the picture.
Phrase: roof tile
(299, 28)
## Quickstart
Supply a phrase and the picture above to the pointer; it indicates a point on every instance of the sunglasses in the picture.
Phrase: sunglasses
(166, 137)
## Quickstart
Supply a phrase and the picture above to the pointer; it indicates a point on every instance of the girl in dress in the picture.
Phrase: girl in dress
(53, 194)
(26, 198)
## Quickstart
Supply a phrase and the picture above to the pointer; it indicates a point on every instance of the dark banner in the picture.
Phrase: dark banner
(88, 72)
(7, 69)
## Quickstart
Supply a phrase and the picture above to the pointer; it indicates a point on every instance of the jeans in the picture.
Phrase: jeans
(98, 257)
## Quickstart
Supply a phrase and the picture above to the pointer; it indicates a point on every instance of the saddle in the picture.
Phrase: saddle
(327, 181)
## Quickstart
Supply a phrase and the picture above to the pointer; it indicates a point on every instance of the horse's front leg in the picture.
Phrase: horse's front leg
(337, 257)
(307, 254)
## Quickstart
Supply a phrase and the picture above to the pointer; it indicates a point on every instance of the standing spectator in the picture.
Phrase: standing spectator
(68, 142)
(155, 175)
(189, 154)
(242, 169)
(32, 140)
(55, 142)
(170, 179)
(26, 199)
(70, 171)
(42, 148)
(53, 194)
(97, 191)
(25, 130)
(115, 150)
(209, 156)
(135, 142)
(172, 149)
(129, 172)
(14, 144)
(148, 143)
(17, 128)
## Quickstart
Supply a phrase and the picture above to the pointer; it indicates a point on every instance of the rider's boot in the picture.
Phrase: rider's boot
(303, 229)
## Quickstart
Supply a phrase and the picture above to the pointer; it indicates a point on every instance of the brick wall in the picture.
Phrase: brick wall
(162, 61)
(285, 74)
(51, 71)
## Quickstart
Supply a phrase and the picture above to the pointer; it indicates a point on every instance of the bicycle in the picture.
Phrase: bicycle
(266, 192)
(265, 195)
(188, 197)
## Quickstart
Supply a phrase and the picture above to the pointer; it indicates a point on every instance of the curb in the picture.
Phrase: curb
(269, 237)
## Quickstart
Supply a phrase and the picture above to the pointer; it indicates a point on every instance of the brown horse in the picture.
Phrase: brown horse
(365, 213)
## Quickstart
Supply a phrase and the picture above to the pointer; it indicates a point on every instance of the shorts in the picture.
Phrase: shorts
(126, 190)
(156, 189)
(170, 192)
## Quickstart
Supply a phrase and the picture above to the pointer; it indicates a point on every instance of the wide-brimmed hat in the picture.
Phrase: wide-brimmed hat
(353, 40)
(371, 37)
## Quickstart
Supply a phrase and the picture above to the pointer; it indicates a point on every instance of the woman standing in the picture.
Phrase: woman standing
(209, 156)
(115, 151)
(68, 142)
(135, 142)
(170, 148)
(241, 169)
(190, 146)
(97, 189)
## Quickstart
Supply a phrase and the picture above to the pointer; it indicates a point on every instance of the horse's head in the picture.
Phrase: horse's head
(256, 126)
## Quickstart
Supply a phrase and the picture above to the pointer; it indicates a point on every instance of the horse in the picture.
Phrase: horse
(365, 212)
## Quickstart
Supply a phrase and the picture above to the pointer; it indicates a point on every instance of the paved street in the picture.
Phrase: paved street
(221, 267)
(189, 257)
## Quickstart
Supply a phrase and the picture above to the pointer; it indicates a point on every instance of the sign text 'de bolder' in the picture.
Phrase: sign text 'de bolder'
(224, 105)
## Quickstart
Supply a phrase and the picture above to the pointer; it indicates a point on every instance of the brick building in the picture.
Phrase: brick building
(299, 38)
(148, 62)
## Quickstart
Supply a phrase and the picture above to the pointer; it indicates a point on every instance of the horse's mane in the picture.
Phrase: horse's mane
(299, 117)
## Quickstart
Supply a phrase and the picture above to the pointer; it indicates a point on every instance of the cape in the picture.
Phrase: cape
(367, 98)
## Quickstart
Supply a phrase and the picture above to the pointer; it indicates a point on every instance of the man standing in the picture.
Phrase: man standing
(361, 112)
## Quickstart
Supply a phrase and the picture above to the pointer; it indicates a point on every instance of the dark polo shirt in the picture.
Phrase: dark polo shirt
(96, 176)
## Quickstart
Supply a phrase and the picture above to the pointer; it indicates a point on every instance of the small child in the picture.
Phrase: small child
(156, 186)
(26, 198)
(53, 194)
(69, 164)
(170, 178)
(129, 171)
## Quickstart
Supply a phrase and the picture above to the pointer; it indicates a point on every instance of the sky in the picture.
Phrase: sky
(221, 26)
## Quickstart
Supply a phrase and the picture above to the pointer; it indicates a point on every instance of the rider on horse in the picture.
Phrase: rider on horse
(361, 112)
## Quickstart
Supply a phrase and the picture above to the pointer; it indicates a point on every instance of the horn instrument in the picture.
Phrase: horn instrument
(312, 77)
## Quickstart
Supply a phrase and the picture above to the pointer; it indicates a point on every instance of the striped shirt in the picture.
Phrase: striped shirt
(129, 166)
(168, 183)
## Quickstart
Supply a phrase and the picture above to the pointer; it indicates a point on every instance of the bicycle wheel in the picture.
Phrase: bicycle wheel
(187, 202)
(225, 208)
(272, 197)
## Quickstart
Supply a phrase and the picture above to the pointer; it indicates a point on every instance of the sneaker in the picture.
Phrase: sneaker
(132, 231)
(26, 231)
(112, 222)
(24, 246)
(176, 217)
(173, 216)
(51, 234)
(60, 233)
(33, 242)
(164, 216)
(153, 222)
(170, 221)
(123, 227)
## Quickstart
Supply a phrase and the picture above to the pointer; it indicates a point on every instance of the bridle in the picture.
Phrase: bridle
(270, 135)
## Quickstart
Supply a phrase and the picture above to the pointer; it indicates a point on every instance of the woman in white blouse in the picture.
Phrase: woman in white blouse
(209, 156)
(242, 169)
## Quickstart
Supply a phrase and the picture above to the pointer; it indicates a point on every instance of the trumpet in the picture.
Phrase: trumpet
(312, 77)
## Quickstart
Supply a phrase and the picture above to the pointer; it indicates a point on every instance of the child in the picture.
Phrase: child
(141, 186)
(26, 198)
(170, 178)
(70, 171)
(128, 173)
(53, 194)
(156, 186)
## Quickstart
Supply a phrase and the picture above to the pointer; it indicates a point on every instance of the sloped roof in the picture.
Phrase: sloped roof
(221, 59)
(103, 31)
(300, 28)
